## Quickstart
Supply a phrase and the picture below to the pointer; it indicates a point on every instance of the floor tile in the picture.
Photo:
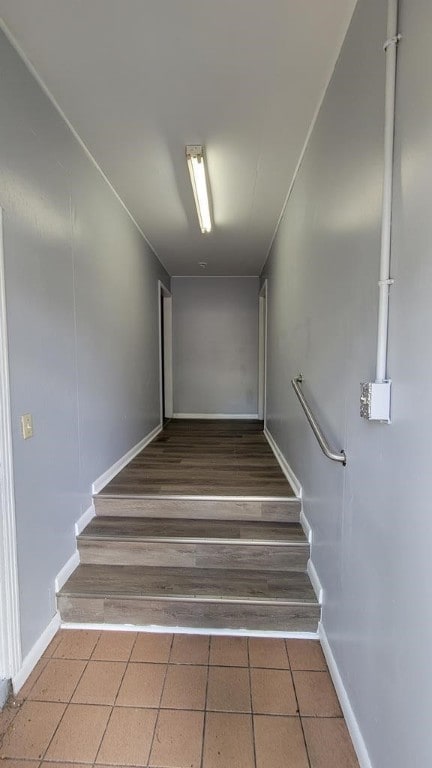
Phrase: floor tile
(228, 741)
(31, 680)
(279, 742)
(268, 652)
(76, 644)
(229, 651)
(228, 689)
(79, 734)
(306, 655)
(50, 764)
(58, 680)
(185, 687)
(12, 763)
(142, 685)
(48, 652)
(329, 743)
(178, 740)
(114, 646)
(32, 730)
(7, 715)
(152, 647)
(100, 682)
(128, 737)
(190, 649)
(316, 694)
(273, 692)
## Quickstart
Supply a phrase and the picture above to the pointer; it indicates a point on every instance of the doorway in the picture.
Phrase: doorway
(10, 643)
(165, 353)
(262, 352)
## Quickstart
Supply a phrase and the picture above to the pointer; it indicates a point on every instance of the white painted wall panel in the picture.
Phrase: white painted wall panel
(372, 521)
(82, 305)
(215, 344)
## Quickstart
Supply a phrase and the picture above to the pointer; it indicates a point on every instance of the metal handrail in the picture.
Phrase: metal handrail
(324, 445)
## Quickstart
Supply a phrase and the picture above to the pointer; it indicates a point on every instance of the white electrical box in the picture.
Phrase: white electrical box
(375, 400)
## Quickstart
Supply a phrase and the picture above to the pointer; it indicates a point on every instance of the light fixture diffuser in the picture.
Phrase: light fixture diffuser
(198, 175)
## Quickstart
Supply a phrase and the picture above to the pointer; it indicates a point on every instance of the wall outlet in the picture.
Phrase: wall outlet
(27, 425)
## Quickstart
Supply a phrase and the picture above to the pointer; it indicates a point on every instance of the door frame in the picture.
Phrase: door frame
(165, 360)
(10, 632)
(262, 352)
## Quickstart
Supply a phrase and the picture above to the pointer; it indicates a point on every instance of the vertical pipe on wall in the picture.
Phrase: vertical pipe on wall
(385, 281)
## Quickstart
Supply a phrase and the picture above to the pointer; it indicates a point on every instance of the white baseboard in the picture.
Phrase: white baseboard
(191, 630)
(215, 416)
(315, 581)
(66, 571)
(350, 718)
(84, 520)
(4, 692)
(36, 652)
(104, 479)
(286, 469)
(304, 522)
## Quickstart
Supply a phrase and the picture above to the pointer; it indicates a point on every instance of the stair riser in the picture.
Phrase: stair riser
(194, 555)
(199, 614)
(198, 509)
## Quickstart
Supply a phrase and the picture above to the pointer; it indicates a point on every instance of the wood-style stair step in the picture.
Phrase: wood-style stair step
(194, 543)
(271, 509)
(191, 597)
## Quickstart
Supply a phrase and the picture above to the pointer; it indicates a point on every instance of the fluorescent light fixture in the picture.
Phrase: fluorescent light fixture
(198, 174)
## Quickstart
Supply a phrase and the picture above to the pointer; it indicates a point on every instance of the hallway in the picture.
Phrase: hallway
(176, 701)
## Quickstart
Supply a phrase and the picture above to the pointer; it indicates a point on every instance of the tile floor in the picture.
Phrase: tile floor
(176, 701)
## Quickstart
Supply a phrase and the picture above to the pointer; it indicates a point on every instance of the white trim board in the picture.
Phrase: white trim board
(350, 718)
(214, 416)
(35, 653)
(84, 520)
(66, 571)
(191, 630)
(304, 522)
(104, 479)
(315, 581)
(285, 467)
(10, 636)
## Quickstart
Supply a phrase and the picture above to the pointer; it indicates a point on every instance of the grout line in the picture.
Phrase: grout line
(205, 704)
(298, 710)
(160, 700)
(251, 704)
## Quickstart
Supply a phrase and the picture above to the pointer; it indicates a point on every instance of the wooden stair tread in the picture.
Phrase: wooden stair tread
(178, 529)
(189, 584)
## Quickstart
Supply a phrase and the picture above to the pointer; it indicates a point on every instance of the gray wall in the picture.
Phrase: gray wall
(372, 522)
(215, 344)
(82, 308)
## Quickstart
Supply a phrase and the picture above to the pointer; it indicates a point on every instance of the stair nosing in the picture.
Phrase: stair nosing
(190, 598)
(190, 497)
(196, 540)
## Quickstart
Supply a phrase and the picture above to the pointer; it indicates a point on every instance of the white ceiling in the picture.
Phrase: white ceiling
(140, 79)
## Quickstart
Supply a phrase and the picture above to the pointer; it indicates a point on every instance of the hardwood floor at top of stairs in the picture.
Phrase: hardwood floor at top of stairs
(204, 458)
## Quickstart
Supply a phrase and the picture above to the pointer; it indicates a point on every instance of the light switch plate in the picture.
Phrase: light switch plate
(27, 425)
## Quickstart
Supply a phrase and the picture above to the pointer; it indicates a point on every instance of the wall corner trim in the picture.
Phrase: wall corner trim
(4, 692)
(315, 581)
(350, 718)
(104, 479)
(84, 520)
(285, 467)
(66, 571)
(35, 653)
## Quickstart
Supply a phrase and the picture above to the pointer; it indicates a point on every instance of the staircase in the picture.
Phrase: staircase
(182, 560)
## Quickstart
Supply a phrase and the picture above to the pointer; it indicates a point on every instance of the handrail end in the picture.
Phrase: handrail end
(344, 463)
